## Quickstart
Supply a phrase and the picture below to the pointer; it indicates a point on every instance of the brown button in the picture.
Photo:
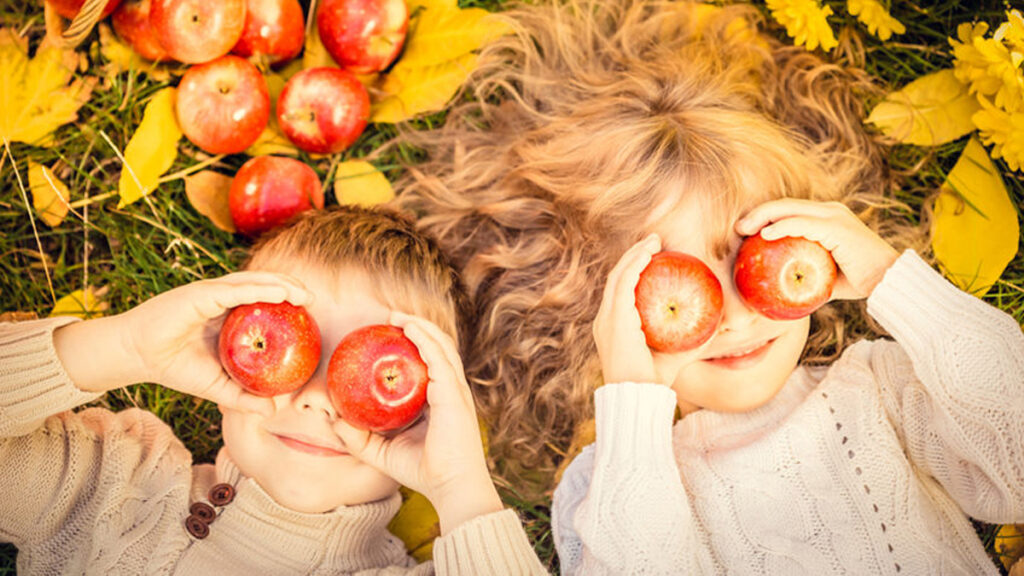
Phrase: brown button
(222, 494)
(203, 511)
(196, 527)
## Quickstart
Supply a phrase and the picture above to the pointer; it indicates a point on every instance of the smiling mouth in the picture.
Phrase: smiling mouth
(309, 448)
(742, 358)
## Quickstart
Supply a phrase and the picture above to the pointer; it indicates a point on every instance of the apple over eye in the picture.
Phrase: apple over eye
(680, 302)
(377, 380)
(269, 349)
(784, 279)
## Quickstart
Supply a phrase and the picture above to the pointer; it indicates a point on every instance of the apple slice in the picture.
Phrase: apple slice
(784, 279)
(679, 300)
(377, 380)
(269, 349)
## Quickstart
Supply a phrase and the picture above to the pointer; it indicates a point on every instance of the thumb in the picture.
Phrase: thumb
(363, 444)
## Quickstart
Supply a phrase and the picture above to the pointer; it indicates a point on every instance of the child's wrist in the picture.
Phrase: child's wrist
(94, 354)
(467, 501)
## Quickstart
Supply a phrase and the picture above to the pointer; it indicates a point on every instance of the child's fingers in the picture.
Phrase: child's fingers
(363, 444)
(821, 231)
(447, 387)
(219, 297)
(776, 210)
(226, 392)
(443, 340)
(623, 278)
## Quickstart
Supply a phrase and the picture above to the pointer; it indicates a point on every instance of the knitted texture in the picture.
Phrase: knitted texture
(97, 492)
(867, 467)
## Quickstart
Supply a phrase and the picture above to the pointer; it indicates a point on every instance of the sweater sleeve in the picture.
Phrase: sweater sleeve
(621, 507)
(494, 544)
(954, 387)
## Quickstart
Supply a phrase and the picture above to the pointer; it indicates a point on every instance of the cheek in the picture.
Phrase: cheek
(242, 439)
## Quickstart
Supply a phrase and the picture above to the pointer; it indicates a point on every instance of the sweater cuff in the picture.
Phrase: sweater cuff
(33, 383)
(489, 544)
(634, 422)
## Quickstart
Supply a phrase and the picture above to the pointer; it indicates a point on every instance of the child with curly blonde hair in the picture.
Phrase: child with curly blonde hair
(858, 440)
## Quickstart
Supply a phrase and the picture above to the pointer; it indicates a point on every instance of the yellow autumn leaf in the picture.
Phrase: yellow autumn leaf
(439, 34)
(975, 229)
(416, 524)
(36, 97)
(1009, 544)
(417, 90)
(120, 58)
(49, 195)
(208, 193)
(314, 55)
(272, 140)
(151, 150)
(86, 303)
(932, 110)
(360, 183)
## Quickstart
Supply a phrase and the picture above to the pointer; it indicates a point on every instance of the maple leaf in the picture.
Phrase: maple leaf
(38, 95)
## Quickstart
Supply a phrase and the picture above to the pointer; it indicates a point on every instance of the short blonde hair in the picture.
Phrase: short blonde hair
(406, 267)
(592, 121)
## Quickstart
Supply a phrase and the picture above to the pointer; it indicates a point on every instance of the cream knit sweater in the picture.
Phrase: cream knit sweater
(869, 466)
(96, 492)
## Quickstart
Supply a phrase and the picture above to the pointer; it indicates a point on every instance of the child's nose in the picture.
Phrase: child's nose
(736, 315)
(313, 397)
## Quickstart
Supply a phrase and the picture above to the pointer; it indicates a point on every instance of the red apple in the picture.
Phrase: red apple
(197, 31)
(363, 36)
(269, 349)
(680, 302)
(131, 22)
(69, 8)
(223, 106)
(377, 380)
(274, 29)
(784, 279)
(268, 190)
(323, 110)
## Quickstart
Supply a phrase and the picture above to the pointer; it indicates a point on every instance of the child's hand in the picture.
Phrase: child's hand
(442, 456)
(860, 254)
(621, 343)
(171, 339)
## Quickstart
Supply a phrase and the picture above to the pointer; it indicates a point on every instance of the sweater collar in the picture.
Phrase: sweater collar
(707, 431)
(348, 539)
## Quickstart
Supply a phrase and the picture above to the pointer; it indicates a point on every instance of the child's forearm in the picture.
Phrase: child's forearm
(96, 354)
(474, 496)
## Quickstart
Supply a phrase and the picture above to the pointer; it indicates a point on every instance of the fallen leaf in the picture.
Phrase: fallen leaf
(121, 58)
(151, 150)
(416, 90)
(207, 191)
(975, 230)
(1009, 544)
(86, 303)
(416, 524)
(360, 183)
(49, 195)
(934, 109)
(35, 95)
(314, 54)
(442, 32)
(272, 140)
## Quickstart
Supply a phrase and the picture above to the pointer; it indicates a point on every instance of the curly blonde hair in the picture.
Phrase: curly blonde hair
(589, 122)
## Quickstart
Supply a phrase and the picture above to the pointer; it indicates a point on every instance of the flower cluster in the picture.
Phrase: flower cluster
(990, 66)
(806, 21)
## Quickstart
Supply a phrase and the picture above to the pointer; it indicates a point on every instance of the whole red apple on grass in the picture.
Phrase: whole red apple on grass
(223, 105)
(679, 300)
(197, 31)
(784, 279)
(131, 23)
(70, 8)
(377, 380)
(274, 29)
(269, 349)
(363, 36)
(268, 190)
(323, 110)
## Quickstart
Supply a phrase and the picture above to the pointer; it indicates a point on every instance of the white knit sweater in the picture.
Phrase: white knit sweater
(869, 466)
(97, 492)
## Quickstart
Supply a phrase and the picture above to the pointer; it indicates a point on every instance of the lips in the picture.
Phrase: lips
(309, 445)
(742, 356)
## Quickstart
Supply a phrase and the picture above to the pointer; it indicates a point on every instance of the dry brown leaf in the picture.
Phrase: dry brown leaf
(208, 193)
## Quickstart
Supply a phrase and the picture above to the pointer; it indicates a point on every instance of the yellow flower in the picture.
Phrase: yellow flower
(988, 66)
(1012, 31)
(805, 21)
(1002, 130)
(875, 17)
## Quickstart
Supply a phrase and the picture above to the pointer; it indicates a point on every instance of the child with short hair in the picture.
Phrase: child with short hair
(629, 127)
(295, 489)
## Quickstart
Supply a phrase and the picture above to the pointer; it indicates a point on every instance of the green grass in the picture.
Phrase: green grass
(157, 244)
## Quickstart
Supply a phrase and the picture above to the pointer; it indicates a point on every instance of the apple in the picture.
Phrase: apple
(223, 106)
(323, 110)
(269, 349)
(131, 23)
(274, 29)
(268, 190)
(364, 36)
(784, 279)
(377, 380)
(70, 8)
(197, 31)
(679, 300)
